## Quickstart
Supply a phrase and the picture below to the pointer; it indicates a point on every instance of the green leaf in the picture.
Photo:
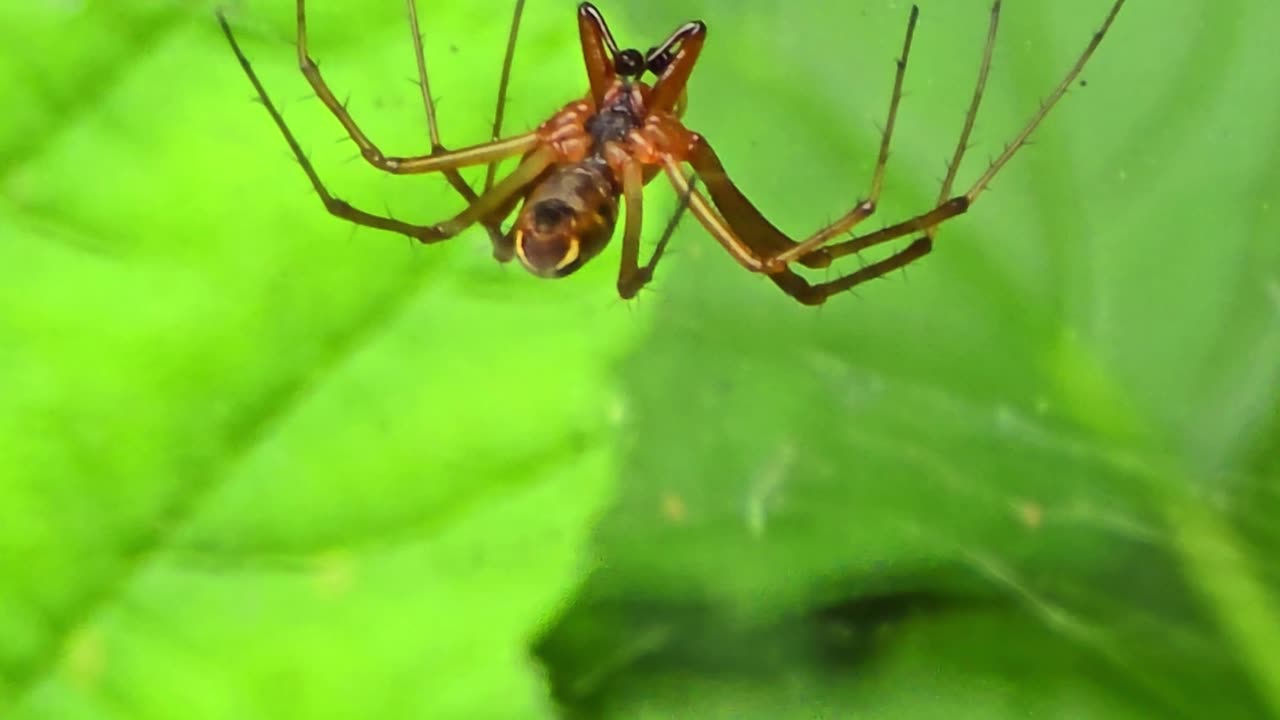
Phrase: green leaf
(257, 463)
(254, 462)
(1035, 474)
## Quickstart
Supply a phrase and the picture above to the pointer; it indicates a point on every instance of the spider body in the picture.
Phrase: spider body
(568, 218)
(597, 154)
(571, 212)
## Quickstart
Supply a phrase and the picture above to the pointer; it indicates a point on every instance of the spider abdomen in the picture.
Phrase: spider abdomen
(567, 219)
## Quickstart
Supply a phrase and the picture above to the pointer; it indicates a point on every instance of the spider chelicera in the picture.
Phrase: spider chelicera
(622, 134)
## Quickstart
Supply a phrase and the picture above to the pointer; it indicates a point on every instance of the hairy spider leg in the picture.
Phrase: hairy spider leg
(436, 161)
(503, 83)
(598, 48)
(493, 226)
(750, 237)
(483, 208)
(737, 211)
(957, 205)
(631, 279)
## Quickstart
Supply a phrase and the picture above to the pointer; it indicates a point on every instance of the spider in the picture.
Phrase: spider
(624, 132)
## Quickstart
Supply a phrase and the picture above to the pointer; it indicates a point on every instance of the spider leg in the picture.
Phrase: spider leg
(455, 178)
(503, 83)
(483, 208)
(752, 229)
(1067, 81)
(669, 88)
(923, 222)
(785, 278)
(971, 115)
(815, 294)
(864, 209)
(504, 246)
(631, 277)
(598, 48)
(929, 221)
(770, 243)
(682, 206)
(500, 196)
(758, 245)
(437, 161)
(714, 223)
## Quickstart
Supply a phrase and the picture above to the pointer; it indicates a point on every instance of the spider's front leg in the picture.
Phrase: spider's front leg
(540, 156)
(368, 150)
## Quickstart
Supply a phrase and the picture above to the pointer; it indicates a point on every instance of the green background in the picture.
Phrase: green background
(255, 463)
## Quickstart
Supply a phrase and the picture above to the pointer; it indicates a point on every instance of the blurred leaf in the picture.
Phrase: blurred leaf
(1060, 427)
(253, 462)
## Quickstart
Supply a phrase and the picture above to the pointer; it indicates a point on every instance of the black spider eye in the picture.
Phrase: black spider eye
(629, 63)
(657, 63)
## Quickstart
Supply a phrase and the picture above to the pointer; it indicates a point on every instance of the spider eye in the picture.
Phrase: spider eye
(657, 62)
(629, 63)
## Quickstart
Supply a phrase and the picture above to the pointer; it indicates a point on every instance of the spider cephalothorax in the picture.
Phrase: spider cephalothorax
(627, 130)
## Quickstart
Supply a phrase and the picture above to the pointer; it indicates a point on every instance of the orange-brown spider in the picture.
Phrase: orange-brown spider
(609, 144)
